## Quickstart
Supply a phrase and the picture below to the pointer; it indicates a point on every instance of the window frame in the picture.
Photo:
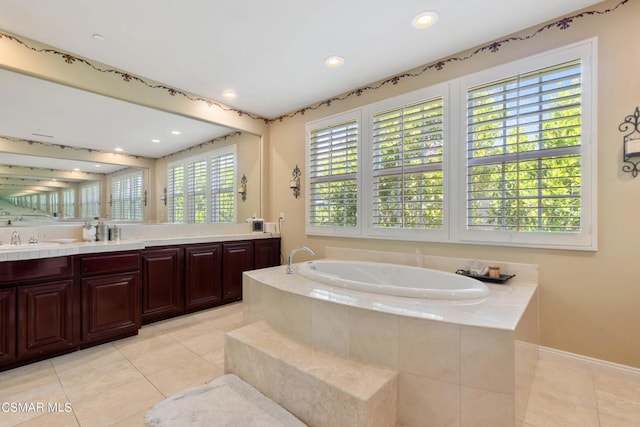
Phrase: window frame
(310, 229)
(124, 208)
(586, 239)
(425, 94)
(207, 158)
(454, 93)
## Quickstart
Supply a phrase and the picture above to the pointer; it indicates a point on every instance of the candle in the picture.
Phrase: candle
(632, 146)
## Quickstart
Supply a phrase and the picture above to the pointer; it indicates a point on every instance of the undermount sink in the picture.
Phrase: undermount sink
(27, 246)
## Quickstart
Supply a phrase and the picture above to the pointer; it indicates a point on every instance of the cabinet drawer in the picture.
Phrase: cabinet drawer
(110, 263)
(32, 270)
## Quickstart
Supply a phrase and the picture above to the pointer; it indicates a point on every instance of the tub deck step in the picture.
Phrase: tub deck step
(318, 387)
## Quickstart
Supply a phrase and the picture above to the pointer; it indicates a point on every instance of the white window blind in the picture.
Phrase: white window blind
(524, 152)
(42, 202)
(223, 188)
(175, 194)
(196, 190)
(127, 197)
(68, 203)
(90, 200)
(201, 189)
(333, 175)
(53, 202)
(407, 144)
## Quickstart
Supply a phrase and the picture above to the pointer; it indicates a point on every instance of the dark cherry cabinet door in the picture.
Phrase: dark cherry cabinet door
(46, 318)
(7, 325)
(266, 252)
(110, 306)
(162, 289)
(203, 276)
(237, 257)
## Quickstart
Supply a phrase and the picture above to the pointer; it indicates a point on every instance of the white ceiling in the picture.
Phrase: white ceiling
(271, 53)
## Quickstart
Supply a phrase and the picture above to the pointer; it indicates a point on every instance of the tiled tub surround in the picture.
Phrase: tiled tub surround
(460, 363)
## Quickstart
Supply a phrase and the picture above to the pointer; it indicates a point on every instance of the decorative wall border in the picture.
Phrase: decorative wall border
(493, 47)
(70, 147)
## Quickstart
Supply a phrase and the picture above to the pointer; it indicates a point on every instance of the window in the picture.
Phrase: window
(127, 197)
(53, 202)
(222, 187)
(68, 203)
(528, 153)
(90, 200)
(407, 168)
(505, 156)
(175, 194)
(332, 162)
(201, 189)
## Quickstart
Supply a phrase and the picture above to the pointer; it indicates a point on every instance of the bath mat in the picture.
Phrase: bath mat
(226, 401)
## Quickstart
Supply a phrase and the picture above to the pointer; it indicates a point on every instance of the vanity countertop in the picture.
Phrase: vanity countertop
(54, 249)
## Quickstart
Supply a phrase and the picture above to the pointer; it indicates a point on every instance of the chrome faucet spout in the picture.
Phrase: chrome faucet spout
(293, 252)
(15, 238)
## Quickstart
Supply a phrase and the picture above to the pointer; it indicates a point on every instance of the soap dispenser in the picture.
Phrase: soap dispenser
(88, 232)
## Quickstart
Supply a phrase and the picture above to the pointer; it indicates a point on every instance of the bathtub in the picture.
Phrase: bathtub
(393, 279)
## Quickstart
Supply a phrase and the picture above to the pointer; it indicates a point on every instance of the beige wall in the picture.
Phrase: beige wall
(589, 300)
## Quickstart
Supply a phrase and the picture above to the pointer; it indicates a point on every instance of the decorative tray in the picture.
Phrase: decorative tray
(502, 279)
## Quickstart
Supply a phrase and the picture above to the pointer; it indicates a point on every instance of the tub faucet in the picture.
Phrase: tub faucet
(293, 252)
(15, 238)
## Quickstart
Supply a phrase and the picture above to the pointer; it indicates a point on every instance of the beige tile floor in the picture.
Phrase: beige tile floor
(115, 384)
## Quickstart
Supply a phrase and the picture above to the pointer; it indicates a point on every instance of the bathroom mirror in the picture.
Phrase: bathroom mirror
(52, 135)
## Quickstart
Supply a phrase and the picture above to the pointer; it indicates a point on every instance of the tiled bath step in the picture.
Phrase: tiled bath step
(320, 388)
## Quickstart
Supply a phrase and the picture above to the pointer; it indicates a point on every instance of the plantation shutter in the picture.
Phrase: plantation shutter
(222, 188)
(524, 152)
(175, 194)
(68, 203)
(333, 181)
(90, 200)
(407, 166)
(53, 202)
(197, 192)
(126, 197)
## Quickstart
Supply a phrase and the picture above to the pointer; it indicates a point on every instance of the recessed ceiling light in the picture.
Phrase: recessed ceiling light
(99, 37)
(425, 19)
(229, 94)
(76, 169)
(334, 61)
(175, 132)
(155, 140)
(118, 149)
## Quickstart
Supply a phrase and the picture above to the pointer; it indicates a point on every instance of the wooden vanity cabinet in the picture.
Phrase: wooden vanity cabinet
(7, 325)
(46, 321)
(203, 276)
(39, 309)
(237, 258)
(110, 296)
(162, 283)
(266, 253)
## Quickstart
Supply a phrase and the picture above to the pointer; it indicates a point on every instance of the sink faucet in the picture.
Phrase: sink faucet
(15, 238)
(293, 252)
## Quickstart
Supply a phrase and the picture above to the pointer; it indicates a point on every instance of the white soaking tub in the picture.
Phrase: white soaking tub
(393, 279)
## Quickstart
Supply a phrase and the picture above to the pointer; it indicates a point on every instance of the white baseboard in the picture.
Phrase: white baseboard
(595, 366)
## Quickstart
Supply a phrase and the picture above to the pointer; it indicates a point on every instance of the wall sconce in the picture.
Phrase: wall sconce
(631, 144)
(163, 199)
(242, 189)
(294, 184)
